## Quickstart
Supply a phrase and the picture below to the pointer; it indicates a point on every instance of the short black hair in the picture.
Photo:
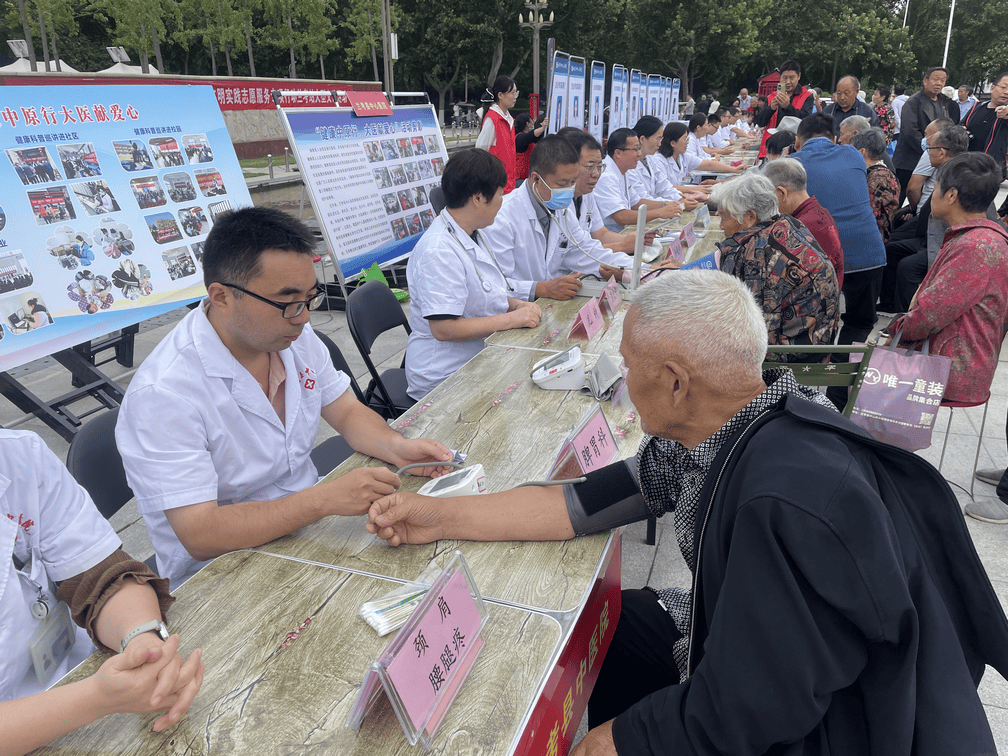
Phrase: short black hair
(674, 131)
(713, 118)
(968, 88)
(735, 110)
(618, 140)
(927, 74)
(954, 138)
(501, 84)
(790, 65)
(521, 121)
(898, 89)
(696, 121)
(816, 125)
(233, 250)
(647, 125)
(883, 90)
(579, 139)
(550, 153)
(976, 176)
(776, 142)
(872, 141)
(471, 172)
(996, 79)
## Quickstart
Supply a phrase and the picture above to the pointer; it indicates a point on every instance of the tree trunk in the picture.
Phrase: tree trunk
(374, 53)
(144, 65)
(498, 57)
(248, 40)
(27, 35)
(293, 64)
(55, 52)
(836, 57)
(186, 66)
(321, 62)
(227, 57)
(157, 49)
(45, 43)
(518, 67)
(441, 88)
(213, 56)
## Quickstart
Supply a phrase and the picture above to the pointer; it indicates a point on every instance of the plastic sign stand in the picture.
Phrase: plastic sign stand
(688, 236)
(424, 666)
(675, 252)
(588, 321)
(590, 446)
(702, 216)
(611, 297)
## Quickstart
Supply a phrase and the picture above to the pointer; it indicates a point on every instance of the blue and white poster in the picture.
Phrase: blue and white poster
(667, 92)
(107, 194)
(654, 94)
(576, 93)
(557, 105)
(596, 99)
(617, 98)
(370, 179)
(675, 98)
(638, 90)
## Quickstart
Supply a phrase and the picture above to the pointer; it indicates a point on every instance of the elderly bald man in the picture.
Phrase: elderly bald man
(839, 605)
(846, 104)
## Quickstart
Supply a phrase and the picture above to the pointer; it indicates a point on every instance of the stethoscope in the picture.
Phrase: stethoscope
(486, 285)
(40, 606)
(565, 229)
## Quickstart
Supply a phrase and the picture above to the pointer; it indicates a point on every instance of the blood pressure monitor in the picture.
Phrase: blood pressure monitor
(465, 482)
(564, 371)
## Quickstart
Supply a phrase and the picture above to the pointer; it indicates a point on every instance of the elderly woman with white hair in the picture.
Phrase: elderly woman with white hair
(780, 261)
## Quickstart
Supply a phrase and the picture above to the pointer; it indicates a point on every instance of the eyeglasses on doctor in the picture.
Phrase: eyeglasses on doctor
(290, 309)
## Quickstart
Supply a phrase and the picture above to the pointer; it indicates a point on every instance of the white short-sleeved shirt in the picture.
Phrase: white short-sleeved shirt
(717, 140)
(614, 193)
(443, 278)
(527, 256)
(195, 426)
(678, 173)
(649, 181)
(590, 218)
(695, 147)
(49, 524)
(924, 168)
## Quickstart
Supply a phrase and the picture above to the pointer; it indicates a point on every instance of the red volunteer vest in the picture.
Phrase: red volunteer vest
(504, 148)
(796, 103)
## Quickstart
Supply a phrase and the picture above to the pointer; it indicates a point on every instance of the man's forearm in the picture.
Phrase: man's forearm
(533, 513)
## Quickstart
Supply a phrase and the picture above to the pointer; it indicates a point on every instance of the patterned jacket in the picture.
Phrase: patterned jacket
(962, 306)
(887, 121)
(791, 278)
(884, 195)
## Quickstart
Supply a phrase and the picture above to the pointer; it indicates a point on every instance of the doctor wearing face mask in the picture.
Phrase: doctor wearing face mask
(542, 248)
(459, 294)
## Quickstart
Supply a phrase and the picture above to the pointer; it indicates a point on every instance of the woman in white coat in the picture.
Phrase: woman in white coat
(458, 293)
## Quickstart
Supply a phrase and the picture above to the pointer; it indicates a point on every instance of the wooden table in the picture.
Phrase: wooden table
(491, 411)
(265, 692)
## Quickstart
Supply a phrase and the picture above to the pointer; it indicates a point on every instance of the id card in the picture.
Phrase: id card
(52, 641)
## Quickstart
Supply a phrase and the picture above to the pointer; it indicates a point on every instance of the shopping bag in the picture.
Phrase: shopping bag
(902, 390)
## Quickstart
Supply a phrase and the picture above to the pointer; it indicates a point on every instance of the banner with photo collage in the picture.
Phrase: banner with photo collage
(370, 179)
(107, 194)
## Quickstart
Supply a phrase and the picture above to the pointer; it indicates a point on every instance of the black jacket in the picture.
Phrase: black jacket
(839, 605)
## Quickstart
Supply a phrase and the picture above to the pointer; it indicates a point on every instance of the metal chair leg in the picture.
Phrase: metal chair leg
(976, 459)
(945, 443)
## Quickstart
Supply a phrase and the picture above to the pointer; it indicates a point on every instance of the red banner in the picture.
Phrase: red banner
(558, 712)
(369, 104)
(534, 106)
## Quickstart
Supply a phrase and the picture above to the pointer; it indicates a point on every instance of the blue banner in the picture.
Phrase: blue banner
(107, 194)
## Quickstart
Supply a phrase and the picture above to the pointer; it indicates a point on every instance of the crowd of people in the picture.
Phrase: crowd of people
(848, 616)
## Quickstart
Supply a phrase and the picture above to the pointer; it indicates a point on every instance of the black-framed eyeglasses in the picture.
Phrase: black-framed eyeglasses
(290, 309)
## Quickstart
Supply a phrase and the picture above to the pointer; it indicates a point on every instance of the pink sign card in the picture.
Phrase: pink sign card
(688, 236)
(594, 443)
(432, 655)
(675, 252)
(589, 319)
(611, 297)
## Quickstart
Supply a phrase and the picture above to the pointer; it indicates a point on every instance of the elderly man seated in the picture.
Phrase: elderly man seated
(780, 261)
(851, 616)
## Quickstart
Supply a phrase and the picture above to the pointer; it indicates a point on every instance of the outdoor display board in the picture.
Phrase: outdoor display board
(675, 100)
(369, 178)
(596, 99)
(618, 97)
(107, 194)
(557, 105)
(576, 93)
(654, 95)
(638, 87)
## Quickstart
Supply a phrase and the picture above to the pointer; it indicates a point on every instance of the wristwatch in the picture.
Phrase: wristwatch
(156, 626)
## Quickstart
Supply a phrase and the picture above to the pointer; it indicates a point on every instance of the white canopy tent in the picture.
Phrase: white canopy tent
(22, 65)
(126, 68)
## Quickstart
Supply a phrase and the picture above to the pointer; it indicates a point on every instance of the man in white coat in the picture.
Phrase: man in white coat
(541, 246)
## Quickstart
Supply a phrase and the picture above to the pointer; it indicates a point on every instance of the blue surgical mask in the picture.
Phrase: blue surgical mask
(924, 144)
(560, 199)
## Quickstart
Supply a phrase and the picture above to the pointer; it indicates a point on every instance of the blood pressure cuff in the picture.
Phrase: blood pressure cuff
(609, 498)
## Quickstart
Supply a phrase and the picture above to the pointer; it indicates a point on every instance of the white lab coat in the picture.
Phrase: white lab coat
(195, 426)
(51, 525)
(442, 272)
(613, 193)
(695, 147)
(590, 218)
(527, 256)
(679, 173)
(649, 181)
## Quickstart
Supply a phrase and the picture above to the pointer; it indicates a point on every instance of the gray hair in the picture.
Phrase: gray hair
(750, 191)
(855, 123)
(787, 172)
(952, 137)
(708, 316)
(872, 142)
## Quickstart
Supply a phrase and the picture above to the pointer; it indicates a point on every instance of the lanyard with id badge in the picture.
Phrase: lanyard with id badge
(56, 633)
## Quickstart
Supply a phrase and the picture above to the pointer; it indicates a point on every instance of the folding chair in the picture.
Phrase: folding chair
(812, 374)
(371, 310)
(952, 408)
(437, 200)
(339, 362)
(95, 463)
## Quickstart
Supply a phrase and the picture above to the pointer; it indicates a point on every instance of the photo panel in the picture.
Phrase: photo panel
(14, 271)
(391, 203)
(193, 221)
(72, 249)
(217, 209)
(382, 178)
(414, 224)
(405, 147)
(163, 228)
(51, 205)
(33, 165)
(23, 312)
(399, 228)
(133, 155)
(178, 262)
(79, 160)
(373, 152)
(90, 292)
(165, 151)
(148, 192)
(132, 279)
(389, 149)
(210, 182)
(180, 187)
(114, 239)
(419, 147)
(197, 250)
(197, 148)
(427, 217)
(95, 197)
